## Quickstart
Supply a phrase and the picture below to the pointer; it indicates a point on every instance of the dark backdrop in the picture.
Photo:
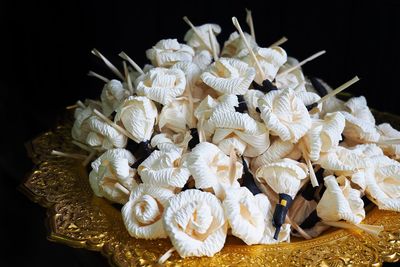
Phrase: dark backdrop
(45, 56)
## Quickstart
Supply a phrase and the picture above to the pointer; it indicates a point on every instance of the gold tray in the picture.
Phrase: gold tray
(79, 219)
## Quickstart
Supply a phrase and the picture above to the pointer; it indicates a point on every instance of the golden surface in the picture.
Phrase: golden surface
(79, 219)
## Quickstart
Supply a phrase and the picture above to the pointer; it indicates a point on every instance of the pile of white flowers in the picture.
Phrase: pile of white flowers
(208, 141)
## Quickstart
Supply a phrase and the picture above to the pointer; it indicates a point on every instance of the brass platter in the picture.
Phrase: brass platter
(79, 219)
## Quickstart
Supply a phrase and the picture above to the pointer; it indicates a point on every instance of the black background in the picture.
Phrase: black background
(45, 56)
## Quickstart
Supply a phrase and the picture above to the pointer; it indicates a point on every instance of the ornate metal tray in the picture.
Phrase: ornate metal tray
(79, 219)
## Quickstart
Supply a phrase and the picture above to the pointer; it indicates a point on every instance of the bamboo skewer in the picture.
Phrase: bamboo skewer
(127, 77)
(166, 256)
(197, 32)
(82, 146)
(320, 53)
(68, 155)
(279, 42)
(108, 63)
(89, 158)
(249, 20)
(98, 76)
(338, 90)
(368, 228)
(395, 141)
(114, 125)
(80, 104)
(213, 46)
(251, 52)
(72, 106)
(133, 63)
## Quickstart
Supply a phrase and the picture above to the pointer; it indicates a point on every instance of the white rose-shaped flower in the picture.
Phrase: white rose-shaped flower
(360, 123)
(195, 223)
(194, 41)
(278, 150)
(387, 133)
(343, 161)
(294, 79)
(324, 135)
(192, 74)
(162, 85)
(142, 214)
(285, 115)
(112, 177)
(382, 182)
(167, 52)
(283, 176)
(112, 96)
(229, 76)
(138, 115)
(168, 141)
(244, 215)
(264, 206)
(80, 129)
(233, 128)
(270, 60)
(177, 116)
(235, 47)
(164, 168)
(340, 202)
(101, 134)
(210, 168)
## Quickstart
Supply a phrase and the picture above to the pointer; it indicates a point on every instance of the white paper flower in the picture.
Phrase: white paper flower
(112, 96)
(238, 129)
(194, 41)
(264, 206)
(164, 168)
(195, 223)
(285, 115)
(235, 47)
(283, 176)
(168, 141)
(360, 123)
(340, 202)
(244, 215)
(112, 177)
(177, 116)
(192, 74)
(229, 76)
(101, 134)
(80, 129)
(162, 85)
(167, 52)
(324, 135)
(138, 115)
(278, 150)
(270, 60)
(382, 182)
(142, 214)
(294, 80)
(210, 168)
(203, 59)
(387, 133)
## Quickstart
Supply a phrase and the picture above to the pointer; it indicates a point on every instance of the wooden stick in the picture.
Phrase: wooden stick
(249, 20)
(213, 48)
(133, 63)
(166, 256)
(253, 56)
(395, 141)
(197, 32)
(83, 146)
(200, 130)
(98, 76)
(368, 228)
(108, 63)
(68, 155)
(320, 53)
(122, 188)
(114, 125)
(232, 164)
(298, 228)
(89, 158)
(338, 90)
(127, 77)
(71, 107)
(279, 42)
(313, 177)
(80, 104)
